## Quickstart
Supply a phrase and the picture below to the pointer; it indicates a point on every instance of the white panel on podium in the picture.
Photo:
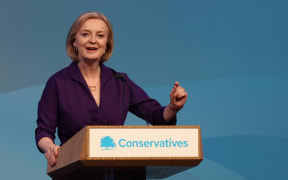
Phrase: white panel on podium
(143, 142)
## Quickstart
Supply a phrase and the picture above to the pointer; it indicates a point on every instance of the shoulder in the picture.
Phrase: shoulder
(63, 73)
(109, 72)
(123, 76)
(70, 72)
(60, 76)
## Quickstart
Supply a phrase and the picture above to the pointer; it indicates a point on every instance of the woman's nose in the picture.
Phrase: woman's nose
(93, 40)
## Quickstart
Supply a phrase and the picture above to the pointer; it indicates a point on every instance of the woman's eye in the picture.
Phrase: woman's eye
(84, 34)
(101, 35)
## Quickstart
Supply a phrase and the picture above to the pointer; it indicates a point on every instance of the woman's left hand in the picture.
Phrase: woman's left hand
(178, 97)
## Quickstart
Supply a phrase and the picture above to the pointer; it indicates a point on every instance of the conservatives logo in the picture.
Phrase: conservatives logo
(107, 143)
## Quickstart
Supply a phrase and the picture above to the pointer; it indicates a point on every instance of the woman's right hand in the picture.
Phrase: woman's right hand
(52, 154)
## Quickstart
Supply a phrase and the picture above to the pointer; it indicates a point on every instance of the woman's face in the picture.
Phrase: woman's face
(91, 40)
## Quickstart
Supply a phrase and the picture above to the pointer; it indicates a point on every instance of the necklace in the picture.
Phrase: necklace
(92, 88)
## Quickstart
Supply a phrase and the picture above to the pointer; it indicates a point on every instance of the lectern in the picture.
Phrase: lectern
(152, 152)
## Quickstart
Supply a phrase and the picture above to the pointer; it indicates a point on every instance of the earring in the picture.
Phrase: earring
(76, 49)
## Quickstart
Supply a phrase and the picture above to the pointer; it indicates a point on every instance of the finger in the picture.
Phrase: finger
(173, 91)
(181, 98)
(47, 157)
(56, 151)
(52, 160)
(175, 94)
(50, 156)
(176, 83)
(54, 155)
(178, 87)
(185, 94)
(182, 94)
(178, 90)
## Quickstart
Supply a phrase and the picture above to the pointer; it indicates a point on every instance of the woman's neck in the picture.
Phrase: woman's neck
(90, 69)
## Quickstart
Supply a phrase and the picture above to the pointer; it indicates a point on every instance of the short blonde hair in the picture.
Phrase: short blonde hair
(71, 37)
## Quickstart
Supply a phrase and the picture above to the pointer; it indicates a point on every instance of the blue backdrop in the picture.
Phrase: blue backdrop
(230, 55)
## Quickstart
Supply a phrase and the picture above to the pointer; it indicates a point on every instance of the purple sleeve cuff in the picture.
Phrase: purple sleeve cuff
(159, 118)
(41, 134)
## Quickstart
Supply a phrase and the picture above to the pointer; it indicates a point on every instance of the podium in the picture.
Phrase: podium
(128, 152)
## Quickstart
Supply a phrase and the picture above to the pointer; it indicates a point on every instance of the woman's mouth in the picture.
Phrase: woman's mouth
(91, 48)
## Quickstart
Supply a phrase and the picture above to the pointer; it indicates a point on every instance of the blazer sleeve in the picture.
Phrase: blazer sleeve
(145, 107)
(47, 120)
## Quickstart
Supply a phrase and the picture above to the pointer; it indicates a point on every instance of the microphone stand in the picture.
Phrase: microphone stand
(124, 81)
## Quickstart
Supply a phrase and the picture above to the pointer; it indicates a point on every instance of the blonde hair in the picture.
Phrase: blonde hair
(71, 37)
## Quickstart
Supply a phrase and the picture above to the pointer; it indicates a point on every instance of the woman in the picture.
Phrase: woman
(89, 93)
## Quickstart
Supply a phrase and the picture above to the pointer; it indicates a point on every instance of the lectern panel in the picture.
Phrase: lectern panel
(143, 142)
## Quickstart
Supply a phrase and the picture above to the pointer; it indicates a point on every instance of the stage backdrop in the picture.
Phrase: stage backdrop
(230, 55)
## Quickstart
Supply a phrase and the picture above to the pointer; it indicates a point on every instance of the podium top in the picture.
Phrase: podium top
(132, 146)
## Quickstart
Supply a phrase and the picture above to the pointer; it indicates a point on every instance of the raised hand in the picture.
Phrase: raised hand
(178, 97)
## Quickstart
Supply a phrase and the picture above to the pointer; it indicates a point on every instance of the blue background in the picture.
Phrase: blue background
(230, 55)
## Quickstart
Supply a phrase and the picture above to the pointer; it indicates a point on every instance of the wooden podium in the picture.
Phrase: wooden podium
(128, 152)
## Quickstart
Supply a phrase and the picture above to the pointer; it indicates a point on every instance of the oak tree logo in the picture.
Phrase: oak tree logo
(107, 143)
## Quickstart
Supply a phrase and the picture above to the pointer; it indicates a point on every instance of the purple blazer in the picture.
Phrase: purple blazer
(68, 105)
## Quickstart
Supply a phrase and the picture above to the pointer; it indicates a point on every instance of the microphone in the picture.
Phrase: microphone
(121, 77)
(138, 104)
